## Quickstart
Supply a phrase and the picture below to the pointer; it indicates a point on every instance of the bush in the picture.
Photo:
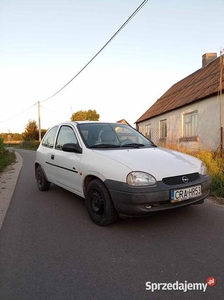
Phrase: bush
(215, 166)
(212, 161)
(2, 148)
(218, 185)
(31, 145)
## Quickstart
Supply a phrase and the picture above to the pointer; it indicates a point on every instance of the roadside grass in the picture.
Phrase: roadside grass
(29, 145)
(6, 157)
(215, 167)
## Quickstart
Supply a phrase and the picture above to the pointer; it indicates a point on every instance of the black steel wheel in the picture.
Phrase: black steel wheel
(99, 204)
(42, 183)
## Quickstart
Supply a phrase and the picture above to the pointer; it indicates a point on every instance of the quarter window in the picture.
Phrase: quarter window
(163, 129)
(48, 140)
(190, 124)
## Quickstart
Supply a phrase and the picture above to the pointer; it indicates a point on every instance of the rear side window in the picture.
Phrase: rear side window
(48, 140)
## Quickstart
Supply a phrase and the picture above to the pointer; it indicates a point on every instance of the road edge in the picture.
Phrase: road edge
(8, 180)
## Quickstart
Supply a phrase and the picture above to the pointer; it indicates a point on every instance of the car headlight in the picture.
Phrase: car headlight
(140, 179)
(203, 169)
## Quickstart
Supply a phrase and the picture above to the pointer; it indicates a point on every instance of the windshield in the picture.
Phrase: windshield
(110, 135)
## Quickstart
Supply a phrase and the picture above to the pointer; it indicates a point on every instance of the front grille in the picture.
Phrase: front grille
(178, 179)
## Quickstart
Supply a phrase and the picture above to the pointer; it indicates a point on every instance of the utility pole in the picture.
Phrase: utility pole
(39, 126)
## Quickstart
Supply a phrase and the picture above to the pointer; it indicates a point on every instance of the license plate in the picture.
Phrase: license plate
(185, 194)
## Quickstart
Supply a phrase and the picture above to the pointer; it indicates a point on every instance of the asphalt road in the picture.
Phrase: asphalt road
(50, 249)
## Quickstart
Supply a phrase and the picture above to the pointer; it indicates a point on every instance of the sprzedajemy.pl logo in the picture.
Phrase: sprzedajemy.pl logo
(180, 286)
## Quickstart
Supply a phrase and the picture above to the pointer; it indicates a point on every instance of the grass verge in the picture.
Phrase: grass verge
(215, 167)
(6, 158)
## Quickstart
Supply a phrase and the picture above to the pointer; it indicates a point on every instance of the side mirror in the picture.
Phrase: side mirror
(72, 147)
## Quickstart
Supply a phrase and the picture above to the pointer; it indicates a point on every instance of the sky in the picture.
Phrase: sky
(45, 43)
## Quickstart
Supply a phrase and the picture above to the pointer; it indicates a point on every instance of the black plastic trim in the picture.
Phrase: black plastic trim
(61, 167)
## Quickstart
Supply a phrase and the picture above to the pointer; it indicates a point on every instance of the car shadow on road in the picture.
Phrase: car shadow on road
(173, 219)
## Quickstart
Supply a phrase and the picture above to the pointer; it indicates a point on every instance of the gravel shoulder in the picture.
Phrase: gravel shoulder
(216, 200)
(8, 180)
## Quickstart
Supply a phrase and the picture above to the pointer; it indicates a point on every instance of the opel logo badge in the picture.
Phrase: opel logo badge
(185, 179)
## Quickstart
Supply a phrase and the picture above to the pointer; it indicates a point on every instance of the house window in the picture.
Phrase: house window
(148, 131)
(190, 124)
(141, 129)
(163, 129)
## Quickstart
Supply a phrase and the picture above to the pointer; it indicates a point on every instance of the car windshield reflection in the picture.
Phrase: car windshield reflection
(108, 135)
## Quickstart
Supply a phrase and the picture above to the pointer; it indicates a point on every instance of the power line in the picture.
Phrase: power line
(113, 36)
(18, 114)
(48, 109)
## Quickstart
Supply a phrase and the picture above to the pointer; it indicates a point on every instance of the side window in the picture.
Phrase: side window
(65, 135)
(48, 140)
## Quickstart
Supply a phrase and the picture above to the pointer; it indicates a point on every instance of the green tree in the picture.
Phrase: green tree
(31, 131)
(43, 131)
(84, 115)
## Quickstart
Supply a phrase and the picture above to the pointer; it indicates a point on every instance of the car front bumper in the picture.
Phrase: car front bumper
(142, 201)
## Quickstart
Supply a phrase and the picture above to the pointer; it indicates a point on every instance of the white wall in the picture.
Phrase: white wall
(208, 125)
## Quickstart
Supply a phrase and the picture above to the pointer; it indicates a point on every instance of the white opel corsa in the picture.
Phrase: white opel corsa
(118, 171)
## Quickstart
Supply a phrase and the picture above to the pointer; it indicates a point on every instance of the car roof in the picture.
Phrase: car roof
(87, 122)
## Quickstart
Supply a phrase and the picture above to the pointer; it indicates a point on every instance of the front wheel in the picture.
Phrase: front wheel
(42, 183)
(99, 204)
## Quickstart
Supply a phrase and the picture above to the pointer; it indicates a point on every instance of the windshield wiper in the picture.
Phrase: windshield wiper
(104, 146)
(134, 145)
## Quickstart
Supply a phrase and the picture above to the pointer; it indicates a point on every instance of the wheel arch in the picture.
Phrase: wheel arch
(90, 178)
(99, 202)
(35, 168)
(36, 165)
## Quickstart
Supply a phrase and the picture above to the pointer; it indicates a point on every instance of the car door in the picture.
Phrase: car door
(46, 152)
(67, 164)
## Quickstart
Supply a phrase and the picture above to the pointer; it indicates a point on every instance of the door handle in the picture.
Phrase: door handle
(52, 156)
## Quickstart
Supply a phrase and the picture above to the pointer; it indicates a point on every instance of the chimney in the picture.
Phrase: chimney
(207, 58)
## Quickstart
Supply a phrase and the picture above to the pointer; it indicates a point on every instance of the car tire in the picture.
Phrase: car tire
(99, 204)
(42, 183)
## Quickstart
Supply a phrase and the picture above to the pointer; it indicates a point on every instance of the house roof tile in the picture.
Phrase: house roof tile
(199, 85)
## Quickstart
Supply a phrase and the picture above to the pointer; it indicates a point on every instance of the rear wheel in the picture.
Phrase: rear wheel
(99, 204)
(42, 183)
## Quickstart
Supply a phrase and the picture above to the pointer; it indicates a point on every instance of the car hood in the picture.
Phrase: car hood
(159, 162)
